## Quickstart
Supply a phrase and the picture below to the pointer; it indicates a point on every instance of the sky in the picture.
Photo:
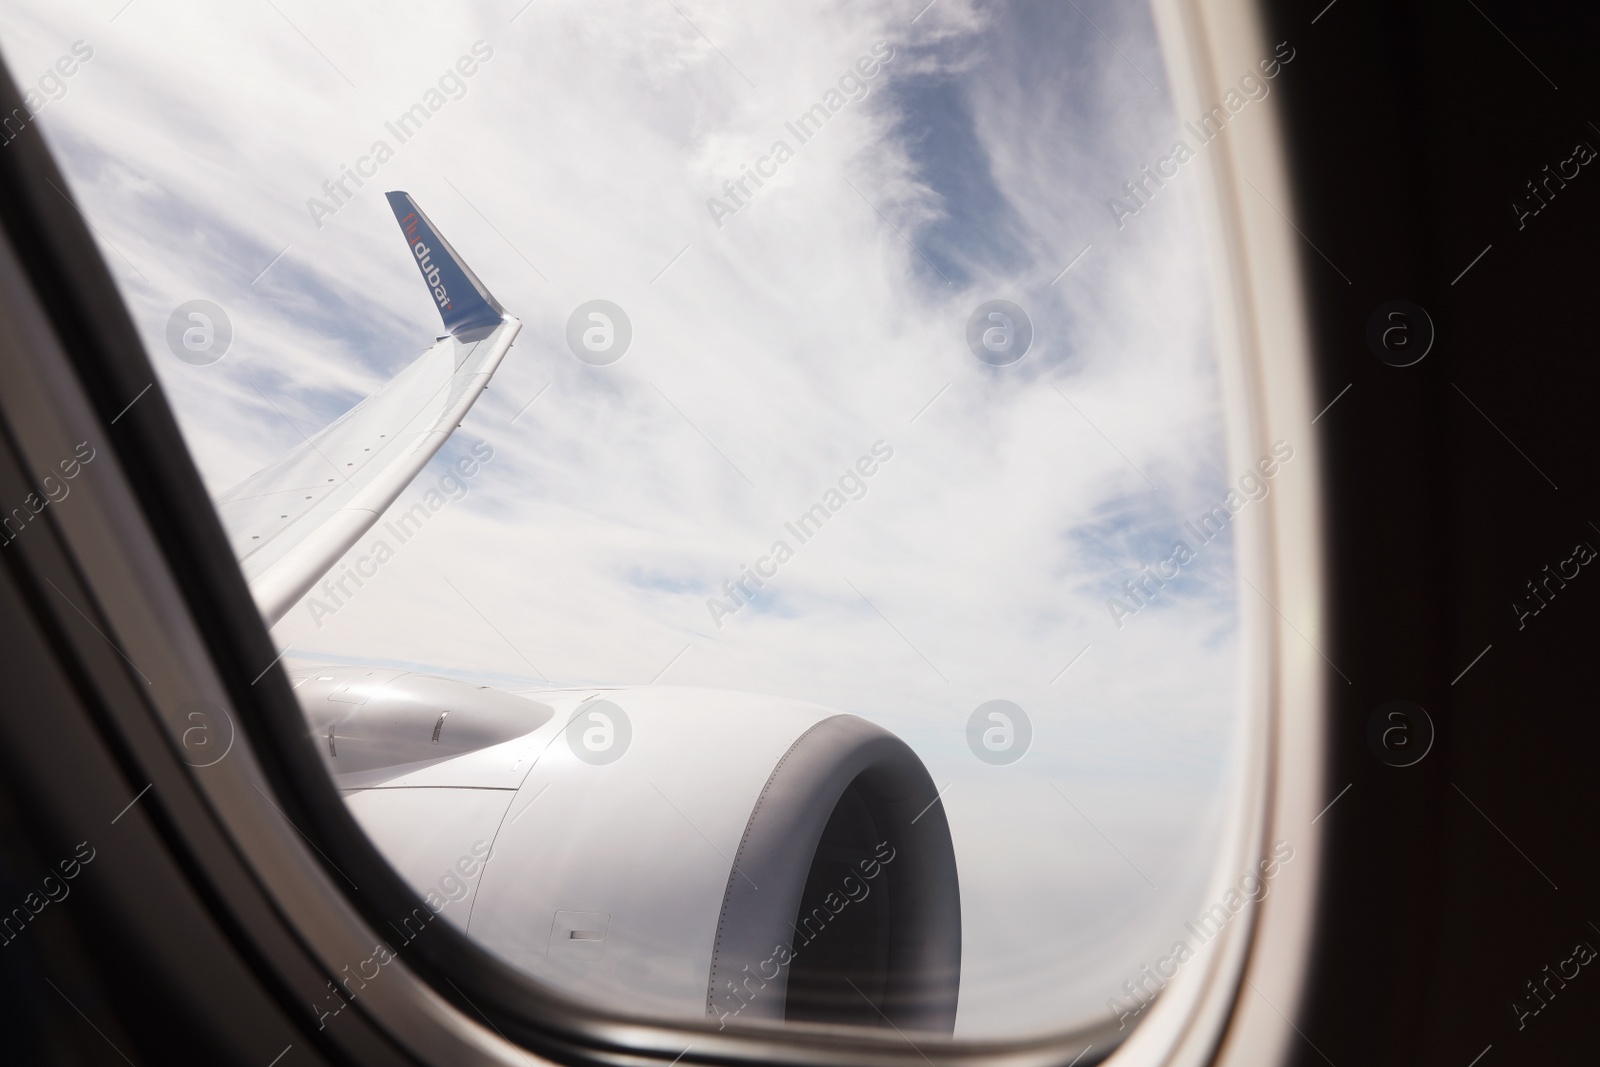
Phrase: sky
(773, 346)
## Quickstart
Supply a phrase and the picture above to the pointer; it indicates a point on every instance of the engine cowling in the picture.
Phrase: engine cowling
(674, 852)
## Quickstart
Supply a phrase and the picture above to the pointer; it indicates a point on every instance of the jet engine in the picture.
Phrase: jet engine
(671, 851)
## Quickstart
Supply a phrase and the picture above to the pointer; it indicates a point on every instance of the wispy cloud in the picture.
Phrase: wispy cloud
(978, 163)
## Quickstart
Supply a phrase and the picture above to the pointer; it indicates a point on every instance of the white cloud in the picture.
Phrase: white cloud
(817, 320)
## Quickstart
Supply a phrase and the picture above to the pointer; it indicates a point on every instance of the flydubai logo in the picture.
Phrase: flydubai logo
(424, 254)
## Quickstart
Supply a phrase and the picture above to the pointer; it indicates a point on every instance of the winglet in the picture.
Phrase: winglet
(463, 302)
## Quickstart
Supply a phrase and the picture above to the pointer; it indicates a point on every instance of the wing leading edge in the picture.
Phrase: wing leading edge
(291, 521)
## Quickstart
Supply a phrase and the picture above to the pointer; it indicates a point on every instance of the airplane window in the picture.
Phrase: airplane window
(743, 493)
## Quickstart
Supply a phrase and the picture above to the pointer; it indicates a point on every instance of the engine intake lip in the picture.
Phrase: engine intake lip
(845, 760)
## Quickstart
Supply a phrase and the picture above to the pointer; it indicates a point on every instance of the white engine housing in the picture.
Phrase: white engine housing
(706, 854)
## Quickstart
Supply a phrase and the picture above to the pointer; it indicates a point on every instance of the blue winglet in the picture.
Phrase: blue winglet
(463, 302)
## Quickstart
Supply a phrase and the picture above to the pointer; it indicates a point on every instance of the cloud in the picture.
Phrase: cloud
(767, 355)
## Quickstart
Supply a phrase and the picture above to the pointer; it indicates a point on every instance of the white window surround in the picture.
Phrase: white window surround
(1233, 1005)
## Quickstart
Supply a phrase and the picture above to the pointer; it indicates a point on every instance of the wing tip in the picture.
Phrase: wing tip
(463, 302)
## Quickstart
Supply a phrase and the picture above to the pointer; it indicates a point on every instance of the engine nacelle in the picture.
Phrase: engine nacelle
(672, 852)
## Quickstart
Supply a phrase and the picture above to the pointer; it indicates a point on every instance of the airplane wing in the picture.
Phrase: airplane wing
(291, 521)
(607, 891)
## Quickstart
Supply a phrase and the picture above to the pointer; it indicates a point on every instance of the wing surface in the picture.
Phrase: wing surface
(291, 521)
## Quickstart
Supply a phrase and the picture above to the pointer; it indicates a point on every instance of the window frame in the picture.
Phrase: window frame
(142, 559)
